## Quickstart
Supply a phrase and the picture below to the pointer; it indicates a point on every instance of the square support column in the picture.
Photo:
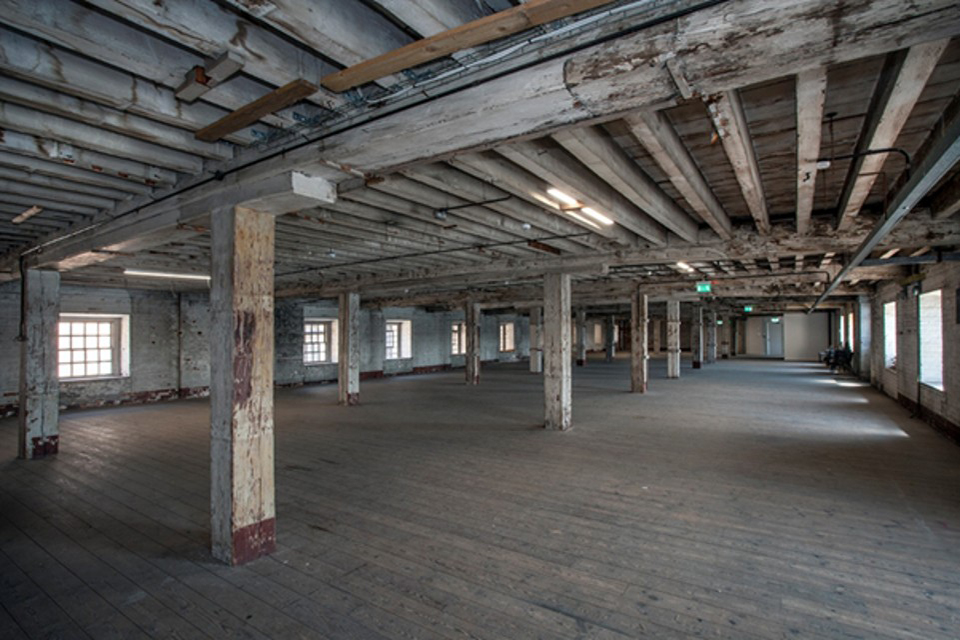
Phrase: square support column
(862, 342)
(557, 369)
(581, 337)
(242, 499)
(536, 340)
(655, 342)
(638, 343)
(348, 367)
(673, 338)
(696, 337)
(39, 408)
(711, 337)
(472, 312)
(725, 337)
(610, 343)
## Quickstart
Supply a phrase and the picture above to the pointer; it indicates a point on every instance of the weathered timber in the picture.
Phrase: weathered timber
(348, 367)
(673, 338)
(639, 355)
(39, 408)
(472, 315)
(557, 370)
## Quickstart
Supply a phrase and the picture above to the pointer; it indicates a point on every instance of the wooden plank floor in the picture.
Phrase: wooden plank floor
(746, 500)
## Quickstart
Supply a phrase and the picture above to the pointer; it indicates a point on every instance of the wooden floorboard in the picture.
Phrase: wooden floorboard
(747, 500)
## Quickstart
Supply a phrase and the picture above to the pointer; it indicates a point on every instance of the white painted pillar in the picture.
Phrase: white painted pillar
(536, 340)
(242, 506)
(673, 338)
(348, 367)
(557, 369)
(711, 337)
(655, 347)
(638, 343)
(581, 337)
(39, 407)
(472, 326)
(610, 338)
(696, 337)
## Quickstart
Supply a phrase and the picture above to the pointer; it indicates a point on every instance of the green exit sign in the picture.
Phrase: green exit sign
(704, 287)
(747, 309)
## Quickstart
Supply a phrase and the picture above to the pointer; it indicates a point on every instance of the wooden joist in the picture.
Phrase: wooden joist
(811, 91)
(288, 94)
(477, 32)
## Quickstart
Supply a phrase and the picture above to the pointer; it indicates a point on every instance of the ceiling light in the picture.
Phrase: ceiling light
(547, 201)
(165, 274)
(596, 215)
(562, 197)
(29, 213)
(574, 214)
(686, 267)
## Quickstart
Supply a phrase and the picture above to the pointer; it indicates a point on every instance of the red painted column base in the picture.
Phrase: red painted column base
(45, 446)
(253, 541)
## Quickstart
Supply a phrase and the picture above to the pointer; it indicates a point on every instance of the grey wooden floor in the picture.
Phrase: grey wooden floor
(746, 500)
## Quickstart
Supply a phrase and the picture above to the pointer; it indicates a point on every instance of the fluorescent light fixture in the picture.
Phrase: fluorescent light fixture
(547, 201)
(29, 213)
(562, 197)
(574, 214)
(165, 274)
(596, 215)
(686, 267)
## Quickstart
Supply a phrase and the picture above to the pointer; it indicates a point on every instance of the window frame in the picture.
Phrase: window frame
(404, 339)
(508, 337)
(331, 341)
(458, 339)
(890, 335)
(934, 382)
(119, 334)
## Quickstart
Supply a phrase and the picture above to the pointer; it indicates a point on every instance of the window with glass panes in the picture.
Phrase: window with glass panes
(393, 341)
(316, 342)
(506, 337)
(458, 339)
(88, 347)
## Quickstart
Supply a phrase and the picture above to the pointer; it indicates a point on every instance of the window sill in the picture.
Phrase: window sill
(319, 364)
(96, 379)
(939, 388)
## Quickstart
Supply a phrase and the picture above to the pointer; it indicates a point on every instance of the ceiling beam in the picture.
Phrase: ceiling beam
(285, 96)
(811, 92)
(91, 113)
(52, 194)
(69, 172)
(24, 120)
(730, 123)
(946, 201)
(74, 27)
(493, 27)
(598, 152)
(68, 187)
(553, 163)
(28, 146)
(496, 169)
(75, 75)
(212, 29)
(654, 131)
(898, 89)
(429, 17)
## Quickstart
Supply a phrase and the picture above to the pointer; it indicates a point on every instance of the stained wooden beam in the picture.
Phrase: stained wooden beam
(288, 94)
(726, 111)
(658, 136)
(811, 91)
(471, 34)
(946, 201)
(898, 89)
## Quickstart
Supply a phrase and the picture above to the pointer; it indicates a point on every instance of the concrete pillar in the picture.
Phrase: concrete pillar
(655, 347)
(724, 330)
(638, 343)
(536, 340)
(39, 408)
(242, 508)
(673, 338)
(711, 337)
(696, 337)
(557, 372)
(472, 327)
(863, 344)
(348, 378)
(581, 337)
(609, 338)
